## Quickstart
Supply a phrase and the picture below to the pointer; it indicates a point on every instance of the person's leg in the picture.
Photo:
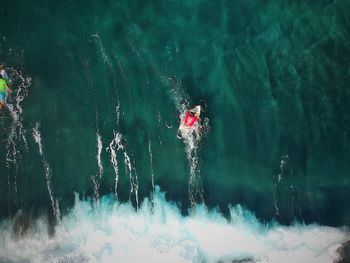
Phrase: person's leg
(2, 100)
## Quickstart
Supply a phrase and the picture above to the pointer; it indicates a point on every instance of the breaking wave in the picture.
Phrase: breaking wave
(116, 232)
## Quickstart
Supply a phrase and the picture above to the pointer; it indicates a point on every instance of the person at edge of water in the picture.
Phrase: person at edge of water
(3, 74)
(4, 90)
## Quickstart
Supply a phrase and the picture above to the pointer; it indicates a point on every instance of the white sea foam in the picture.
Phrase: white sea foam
(157, 232)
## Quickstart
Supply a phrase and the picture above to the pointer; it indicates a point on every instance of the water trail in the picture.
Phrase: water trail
(116, 143)
(16, 141)
(114, 146)
(99, 151)
(96, 189)
(94, 178)
(136, 188)
(128, 170)
(47, 170)
(109, 63)
(133, 179)
(195, 187)
(286, 195)
(177, 93)
(181, 102)
(102, 51)
(278, 179)
(151, 161)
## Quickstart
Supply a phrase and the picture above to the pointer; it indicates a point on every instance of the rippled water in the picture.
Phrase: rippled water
(99, 88)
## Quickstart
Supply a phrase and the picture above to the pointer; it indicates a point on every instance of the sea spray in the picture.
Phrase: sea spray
(158, 232)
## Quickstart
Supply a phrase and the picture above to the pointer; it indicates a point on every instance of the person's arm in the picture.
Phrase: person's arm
(8, 88)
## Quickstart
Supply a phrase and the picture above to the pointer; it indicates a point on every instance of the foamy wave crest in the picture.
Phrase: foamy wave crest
(157, 232)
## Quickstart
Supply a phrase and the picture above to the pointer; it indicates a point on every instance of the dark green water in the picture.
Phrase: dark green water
(274, 74)
(274, 77)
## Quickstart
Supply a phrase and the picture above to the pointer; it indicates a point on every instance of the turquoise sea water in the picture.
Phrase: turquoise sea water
(98, 90)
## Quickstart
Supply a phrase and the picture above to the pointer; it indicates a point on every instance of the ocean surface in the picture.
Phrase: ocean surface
(91, 169)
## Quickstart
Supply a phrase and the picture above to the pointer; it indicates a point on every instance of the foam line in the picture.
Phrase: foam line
(157, 232)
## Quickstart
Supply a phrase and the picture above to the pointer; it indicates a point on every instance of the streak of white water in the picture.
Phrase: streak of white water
(114, 146)
(99, 151)
(16, 141)
(47, 171)
(151, 161)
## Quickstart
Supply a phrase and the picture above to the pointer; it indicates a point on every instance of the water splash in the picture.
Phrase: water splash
(157, 232)
(47, 171)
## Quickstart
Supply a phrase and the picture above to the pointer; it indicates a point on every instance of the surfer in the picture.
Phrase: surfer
(190, 123)
(4, 90)
(191, 118)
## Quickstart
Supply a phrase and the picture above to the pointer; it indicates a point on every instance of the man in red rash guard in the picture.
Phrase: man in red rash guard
(190, 119)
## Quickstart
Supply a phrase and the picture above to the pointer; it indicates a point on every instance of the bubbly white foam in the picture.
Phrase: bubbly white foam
(157, 232)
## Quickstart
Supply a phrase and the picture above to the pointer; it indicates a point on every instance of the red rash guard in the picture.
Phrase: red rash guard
(189, 120)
